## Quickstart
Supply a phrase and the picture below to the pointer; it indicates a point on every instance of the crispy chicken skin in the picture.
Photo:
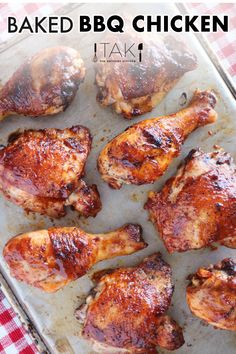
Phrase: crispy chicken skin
(41, 171)
(143, 152)
(125, 312)
(50, 259)
(44, 85)
(198, 205)
(211, 294)
(86, 199)
(136, 88)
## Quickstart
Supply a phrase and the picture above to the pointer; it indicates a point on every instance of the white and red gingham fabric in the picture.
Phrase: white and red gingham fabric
(223, 44)
(13, 337)
(20, 10)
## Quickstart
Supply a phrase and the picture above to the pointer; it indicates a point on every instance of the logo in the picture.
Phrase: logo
(117, 53)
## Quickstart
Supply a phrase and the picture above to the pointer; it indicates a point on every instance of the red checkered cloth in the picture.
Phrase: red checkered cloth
(222, 43)
(13, 337)
(20, 10)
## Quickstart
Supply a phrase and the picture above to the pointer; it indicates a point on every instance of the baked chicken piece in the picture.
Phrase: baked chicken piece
(41, 171)
(44, 85)
(198, 205)
(50, 259)
(211, 294)
(143, 152)
(125, 312)
(134, 88)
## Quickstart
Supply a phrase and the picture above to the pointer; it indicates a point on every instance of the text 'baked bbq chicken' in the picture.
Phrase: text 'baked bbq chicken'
(41, 171)
(44, 85)
(134, 88)
(143, 152)
(198, 205)
(50, 259)
(125, 312)
(211, 294)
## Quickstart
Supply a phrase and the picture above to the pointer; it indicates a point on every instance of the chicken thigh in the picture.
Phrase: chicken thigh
(125, 312)
(143, 152)
(198, 205)
(44, 85)
(41, 171)
(50, 259)
(211, 294)
(134, 88)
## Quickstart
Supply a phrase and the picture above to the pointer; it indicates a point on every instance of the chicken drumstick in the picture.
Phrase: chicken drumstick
(144, 151)
(50, 259)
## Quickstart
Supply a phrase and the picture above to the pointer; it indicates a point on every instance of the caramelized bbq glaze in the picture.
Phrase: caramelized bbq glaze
(49, 259)
(134, 88)
(40, 169)
(126, 309)
(143, 152)
(45, 84)
(198, 205)
(211, 294)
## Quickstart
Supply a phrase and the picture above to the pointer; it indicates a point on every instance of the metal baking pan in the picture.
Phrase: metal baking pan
(50, 317)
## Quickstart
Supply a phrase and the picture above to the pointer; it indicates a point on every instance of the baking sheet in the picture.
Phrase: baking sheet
(53, 315)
